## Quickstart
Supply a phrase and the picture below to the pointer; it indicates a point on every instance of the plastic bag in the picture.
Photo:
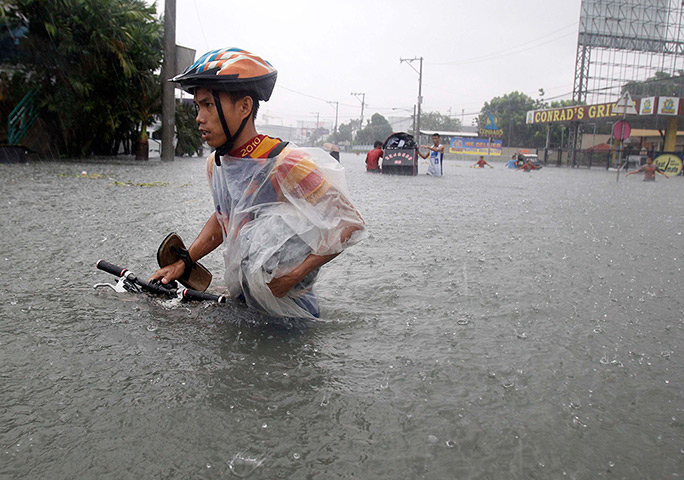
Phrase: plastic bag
(274, 213)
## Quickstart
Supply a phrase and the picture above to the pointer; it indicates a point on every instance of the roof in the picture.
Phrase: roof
(449, 134)
(643, 132)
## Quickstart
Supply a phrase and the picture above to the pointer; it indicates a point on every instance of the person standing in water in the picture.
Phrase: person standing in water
(436, 154)
(373, 158)
(650, 169)
(481, 163)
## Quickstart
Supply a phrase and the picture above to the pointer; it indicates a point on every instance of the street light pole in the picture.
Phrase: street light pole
(420, 89)
(337, 106)
(315, 132)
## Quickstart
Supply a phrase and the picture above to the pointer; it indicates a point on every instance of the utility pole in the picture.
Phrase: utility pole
(410, 61)
(363, 103)
(337, 106)
(168, 71)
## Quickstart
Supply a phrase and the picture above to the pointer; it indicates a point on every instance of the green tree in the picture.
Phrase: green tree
(377, 128)
(189, 138)
(438, 122)
(511, 112)
(660, 84)
(92, 62)
(343, 135)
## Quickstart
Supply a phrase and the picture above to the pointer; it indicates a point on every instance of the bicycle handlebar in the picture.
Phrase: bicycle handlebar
(158, 288)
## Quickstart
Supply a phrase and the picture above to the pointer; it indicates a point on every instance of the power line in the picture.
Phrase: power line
(515, 49)
(312, 96)
(199, 19)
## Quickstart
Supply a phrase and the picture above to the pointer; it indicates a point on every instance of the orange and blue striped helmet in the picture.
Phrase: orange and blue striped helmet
(230, 69)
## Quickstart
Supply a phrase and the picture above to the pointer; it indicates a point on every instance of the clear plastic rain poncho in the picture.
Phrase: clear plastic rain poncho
(274, 213)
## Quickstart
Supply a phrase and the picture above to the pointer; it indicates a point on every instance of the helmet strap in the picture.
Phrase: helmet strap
(226, 148)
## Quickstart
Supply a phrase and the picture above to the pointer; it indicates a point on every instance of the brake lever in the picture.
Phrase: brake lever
(123, 285)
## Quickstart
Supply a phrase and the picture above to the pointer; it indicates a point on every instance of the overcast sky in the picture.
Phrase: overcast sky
(325, 50)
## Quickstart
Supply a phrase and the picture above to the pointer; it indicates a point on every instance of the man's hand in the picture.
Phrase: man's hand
(169, 273)
(281, 285)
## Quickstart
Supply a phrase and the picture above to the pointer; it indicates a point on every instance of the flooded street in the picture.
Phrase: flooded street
(494, 324)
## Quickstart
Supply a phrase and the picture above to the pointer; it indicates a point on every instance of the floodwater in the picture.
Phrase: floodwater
(494, 325)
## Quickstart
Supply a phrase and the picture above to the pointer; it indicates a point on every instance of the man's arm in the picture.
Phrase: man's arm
(281, 285)
(661, 171)
(301, 178)
(209, 238)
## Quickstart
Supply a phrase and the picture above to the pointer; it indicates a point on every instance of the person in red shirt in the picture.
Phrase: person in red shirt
(481, 163)
(373, 158)
(528, 166)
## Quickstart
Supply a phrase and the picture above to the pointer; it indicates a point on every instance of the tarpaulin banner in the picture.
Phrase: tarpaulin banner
(475, 146)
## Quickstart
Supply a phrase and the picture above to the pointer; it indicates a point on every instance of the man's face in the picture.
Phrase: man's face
(208, 119)
(435, 139)
(649, 161)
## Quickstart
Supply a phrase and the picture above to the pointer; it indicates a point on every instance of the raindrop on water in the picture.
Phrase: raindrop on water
(241, 466)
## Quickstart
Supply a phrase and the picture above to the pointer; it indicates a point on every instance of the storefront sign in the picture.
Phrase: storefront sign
(668, 106)
(491, 129)
(475, 146)
(669, 163)
(578, 113)
(647, 106)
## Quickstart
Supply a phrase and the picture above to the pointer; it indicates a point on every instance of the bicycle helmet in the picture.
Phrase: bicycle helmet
(229, 69)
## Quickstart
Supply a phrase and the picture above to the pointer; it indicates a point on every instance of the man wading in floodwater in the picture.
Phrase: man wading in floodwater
(436, 156)
(650, 169)
(281, 212)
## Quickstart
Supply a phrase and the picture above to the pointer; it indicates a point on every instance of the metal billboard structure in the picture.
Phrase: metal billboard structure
(625, 40)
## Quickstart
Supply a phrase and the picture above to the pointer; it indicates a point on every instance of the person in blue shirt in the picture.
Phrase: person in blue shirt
(513, 162)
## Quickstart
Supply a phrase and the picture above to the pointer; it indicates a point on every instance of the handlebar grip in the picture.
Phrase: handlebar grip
(111, 268)
(190, 294)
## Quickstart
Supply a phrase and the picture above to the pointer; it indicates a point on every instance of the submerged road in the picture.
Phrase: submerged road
(495, 324)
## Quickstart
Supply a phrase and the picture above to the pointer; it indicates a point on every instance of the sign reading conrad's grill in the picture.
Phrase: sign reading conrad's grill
(583, 113)
(578, 113)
